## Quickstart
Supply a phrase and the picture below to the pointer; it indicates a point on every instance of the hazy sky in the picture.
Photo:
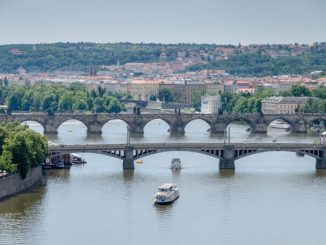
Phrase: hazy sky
(163, 21)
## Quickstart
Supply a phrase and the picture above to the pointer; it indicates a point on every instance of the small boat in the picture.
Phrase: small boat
(60, 165)
(176, 164)
(76, 159)
(166, 194)
(139, 161)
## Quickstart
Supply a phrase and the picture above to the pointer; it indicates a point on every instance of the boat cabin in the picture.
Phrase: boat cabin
(166, 187)
(323, 138)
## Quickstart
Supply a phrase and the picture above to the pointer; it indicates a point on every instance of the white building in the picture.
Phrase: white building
(282, 105)
(210, 104)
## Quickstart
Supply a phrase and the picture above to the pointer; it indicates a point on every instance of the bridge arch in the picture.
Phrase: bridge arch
(140, 154)
(246, 125)
(73, 122)
(317, 154)
(203, 126)
(34, 125)
(280, 118)
(115, 125)
(155, 124)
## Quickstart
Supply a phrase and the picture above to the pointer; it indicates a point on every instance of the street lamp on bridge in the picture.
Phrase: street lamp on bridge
(128, 135)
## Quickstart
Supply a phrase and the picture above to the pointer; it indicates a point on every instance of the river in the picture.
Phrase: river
(271, 198)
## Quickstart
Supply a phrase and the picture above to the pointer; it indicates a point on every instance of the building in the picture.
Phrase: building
(210, 104)
(184, 90)
(230, 87)
(140, 89)
(282, 105)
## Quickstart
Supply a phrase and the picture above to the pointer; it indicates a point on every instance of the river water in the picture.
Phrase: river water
(271, 198)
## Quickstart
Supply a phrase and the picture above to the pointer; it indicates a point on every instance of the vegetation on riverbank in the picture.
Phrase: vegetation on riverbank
(56, 98)
(21, 148)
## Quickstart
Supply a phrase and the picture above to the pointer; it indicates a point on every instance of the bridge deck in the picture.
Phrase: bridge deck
(184, 146)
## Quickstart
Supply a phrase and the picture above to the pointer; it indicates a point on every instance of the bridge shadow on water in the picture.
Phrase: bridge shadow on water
(226, 173)
(320, 173)
(128, 175)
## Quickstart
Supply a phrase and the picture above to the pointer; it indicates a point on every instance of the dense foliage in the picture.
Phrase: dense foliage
(258, 64)
(264, 60)
(21, 148)
(82, 56)
(55, 98)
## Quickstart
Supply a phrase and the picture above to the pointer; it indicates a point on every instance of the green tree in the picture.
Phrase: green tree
(196, 99)
(21, 148)
(80, 105)
(165, 95)
(66, 101)
(99, 104)
(299, 90)
(153, 97)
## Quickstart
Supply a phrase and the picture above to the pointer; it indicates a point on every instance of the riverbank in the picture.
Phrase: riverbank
(14, 184)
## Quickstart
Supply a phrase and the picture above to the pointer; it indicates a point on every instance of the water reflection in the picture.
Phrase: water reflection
(226, 173)
(128, 175)
(57, 174)
(320, 173)
(21, 217)
(22, 204)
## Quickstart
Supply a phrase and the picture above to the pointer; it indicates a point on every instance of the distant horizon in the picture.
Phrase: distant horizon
(161, 43)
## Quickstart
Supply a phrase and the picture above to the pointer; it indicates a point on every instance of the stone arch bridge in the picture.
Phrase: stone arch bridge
(94, 122)
(226, 153)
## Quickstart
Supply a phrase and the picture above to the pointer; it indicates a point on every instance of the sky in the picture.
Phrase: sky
(163, 21)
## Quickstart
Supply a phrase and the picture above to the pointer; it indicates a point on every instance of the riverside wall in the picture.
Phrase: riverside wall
(14, 184)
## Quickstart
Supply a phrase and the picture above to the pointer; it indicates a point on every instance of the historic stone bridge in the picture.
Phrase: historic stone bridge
(226, 153)
(94, 122)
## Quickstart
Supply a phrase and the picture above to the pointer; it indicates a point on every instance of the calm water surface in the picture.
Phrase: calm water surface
(271, 198)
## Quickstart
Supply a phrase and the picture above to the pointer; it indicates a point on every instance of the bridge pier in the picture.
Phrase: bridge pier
(94, 128)
(259, 128)
(218, 128)
(299, 127)
(321, 162)
(227, 162)
(128, 159)
(50, 129)
(137, 129)
(177, 129)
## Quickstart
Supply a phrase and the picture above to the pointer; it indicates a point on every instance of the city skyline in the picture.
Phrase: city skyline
(206, 21)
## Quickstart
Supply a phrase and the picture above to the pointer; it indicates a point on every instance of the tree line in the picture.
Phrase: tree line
(21, 148)
(58, 98)
(256, 61)
(260, 64)
(81, 56)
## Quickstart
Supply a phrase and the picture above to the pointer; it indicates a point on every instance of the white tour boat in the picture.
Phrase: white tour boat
(280, 124)
(167, 193)
(176, 164)
(77, 159)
